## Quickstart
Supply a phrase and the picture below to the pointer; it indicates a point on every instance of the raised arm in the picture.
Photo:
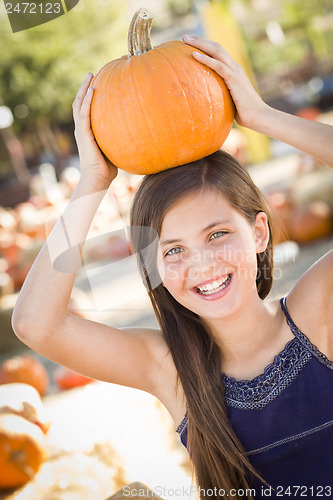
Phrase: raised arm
(40, 318)
(313, 138)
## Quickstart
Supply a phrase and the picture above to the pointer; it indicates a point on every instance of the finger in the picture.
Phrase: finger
(85, 108)
(213, 49)
(219, 67)
(81, 93)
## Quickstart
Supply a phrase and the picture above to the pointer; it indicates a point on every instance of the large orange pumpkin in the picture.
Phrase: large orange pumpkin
(21, 450)
(158, 107)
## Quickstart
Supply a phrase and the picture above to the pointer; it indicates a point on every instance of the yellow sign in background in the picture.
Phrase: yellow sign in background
(221, 26)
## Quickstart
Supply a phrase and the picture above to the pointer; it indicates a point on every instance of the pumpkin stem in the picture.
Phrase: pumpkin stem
(138, 33)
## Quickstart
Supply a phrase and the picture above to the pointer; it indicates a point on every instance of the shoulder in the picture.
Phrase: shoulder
(310, 304)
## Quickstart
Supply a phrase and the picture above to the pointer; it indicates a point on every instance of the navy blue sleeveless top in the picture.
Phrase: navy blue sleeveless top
(284, 420)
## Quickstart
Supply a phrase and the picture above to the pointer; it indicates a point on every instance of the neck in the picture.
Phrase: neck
(246, 334)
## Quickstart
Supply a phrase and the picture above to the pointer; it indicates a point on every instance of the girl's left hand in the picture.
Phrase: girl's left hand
(248, 104)
(93, 163)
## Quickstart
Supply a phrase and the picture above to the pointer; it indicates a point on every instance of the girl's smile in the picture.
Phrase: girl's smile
(213, 289)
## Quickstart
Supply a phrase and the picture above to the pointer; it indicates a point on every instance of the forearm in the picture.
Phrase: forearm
(43, 300)
(311, 137)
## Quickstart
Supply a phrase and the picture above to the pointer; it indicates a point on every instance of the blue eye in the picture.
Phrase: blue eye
(217, 234)
(173, 251)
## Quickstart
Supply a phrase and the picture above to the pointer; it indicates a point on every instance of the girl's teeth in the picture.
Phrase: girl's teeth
(214, 287)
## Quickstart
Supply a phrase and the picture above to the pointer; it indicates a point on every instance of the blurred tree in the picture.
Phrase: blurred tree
(180, 7)
(42, 68)
(284, 35)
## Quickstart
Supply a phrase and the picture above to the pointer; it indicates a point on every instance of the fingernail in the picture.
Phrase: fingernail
(187, 37)
(90, 89)
(195, 53)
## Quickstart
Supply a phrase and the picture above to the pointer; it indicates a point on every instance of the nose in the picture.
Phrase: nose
(201, 262)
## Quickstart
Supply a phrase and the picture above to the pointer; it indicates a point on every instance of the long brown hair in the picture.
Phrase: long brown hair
(218, 457)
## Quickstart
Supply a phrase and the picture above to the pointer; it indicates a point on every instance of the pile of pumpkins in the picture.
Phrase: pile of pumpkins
(22, 235)
(24, 419)
(23, 231)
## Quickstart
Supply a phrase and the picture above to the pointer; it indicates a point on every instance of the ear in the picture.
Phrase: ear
(261, 232)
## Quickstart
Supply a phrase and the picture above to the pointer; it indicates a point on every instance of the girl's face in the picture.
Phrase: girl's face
(207, 256)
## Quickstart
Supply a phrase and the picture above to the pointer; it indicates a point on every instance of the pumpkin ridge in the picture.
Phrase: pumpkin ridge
(117, 67)
(211, 106)
(151, 131)
(211, 101)
(99, 118)
(182, 89)
(102, 71)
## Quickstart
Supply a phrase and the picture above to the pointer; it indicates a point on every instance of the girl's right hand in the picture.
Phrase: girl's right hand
(93, 163)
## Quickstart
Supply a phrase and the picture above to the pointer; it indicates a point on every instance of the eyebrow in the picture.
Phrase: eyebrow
(210, 226)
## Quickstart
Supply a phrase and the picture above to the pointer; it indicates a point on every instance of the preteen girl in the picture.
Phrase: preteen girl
(248, 381)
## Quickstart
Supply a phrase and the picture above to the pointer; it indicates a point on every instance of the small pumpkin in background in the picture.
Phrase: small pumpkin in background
(25, 369)
(65, 378)
(158, 107)
(21, 450)
(311, 222)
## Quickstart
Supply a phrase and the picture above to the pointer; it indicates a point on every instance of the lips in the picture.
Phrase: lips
(213, 286)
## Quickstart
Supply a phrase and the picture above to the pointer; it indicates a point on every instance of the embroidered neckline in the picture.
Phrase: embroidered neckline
(257, 393)
(229, 381)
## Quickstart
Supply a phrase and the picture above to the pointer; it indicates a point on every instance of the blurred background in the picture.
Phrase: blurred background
(286, 48)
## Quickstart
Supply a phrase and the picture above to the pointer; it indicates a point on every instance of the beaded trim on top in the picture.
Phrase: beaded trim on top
(183, 425)
(257, 393)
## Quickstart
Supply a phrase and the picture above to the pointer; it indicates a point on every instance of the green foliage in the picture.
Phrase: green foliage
(180, 7)
(306, 27)
(43, 67)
